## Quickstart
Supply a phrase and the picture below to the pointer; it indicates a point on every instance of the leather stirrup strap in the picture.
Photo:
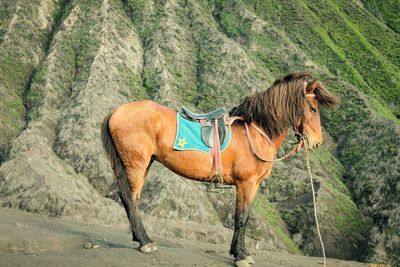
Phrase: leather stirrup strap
(217, 150)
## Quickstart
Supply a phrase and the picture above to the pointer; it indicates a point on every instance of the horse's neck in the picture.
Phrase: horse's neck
(278, 141)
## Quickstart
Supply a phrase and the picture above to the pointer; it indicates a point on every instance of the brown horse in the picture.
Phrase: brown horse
(136, 134)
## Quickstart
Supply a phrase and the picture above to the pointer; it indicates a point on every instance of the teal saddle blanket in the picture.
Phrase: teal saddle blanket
(188, 136)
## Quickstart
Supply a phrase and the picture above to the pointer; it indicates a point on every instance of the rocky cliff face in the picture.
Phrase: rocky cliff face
(65, 64)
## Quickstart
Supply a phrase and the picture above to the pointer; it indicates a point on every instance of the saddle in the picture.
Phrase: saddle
(214, 130)
(208, 122)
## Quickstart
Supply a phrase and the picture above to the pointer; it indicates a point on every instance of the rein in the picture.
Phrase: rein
(294, 150)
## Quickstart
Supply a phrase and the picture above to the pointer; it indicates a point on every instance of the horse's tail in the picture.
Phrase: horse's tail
(117, 164)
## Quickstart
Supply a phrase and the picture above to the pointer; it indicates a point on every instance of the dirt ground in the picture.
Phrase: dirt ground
(32, 240)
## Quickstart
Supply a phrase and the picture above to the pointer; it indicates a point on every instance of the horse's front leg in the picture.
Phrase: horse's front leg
(245, 193)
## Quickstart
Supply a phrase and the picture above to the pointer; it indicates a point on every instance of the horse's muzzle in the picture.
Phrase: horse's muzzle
(311, 144)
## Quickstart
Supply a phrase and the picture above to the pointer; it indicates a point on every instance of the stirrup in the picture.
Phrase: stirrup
(212, 188)
(216, 187)
(223, 186)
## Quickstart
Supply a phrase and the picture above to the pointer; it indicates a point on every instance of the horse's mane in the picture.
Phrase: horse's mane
(281, 106)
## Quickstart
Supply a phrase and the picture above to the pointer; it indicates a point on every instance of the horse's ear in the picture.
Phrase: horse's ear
(310, 86)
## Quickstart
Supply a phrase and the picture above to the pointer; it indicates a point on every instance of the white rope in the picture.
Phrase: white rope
(315, 206)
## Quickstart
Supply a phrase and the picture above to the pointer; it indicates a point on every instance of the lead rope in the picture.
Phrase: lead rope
(315, 205)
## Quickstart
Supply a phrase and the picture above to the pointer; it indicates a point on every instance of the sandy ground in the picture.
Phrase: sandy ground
(31, 240)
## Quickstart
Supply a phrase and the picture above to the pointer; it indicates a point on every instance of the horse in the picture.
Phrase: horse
(137, 133)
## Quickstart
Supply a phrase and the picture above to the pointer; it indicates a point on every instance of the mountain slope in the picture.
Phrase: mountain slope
(65, 64)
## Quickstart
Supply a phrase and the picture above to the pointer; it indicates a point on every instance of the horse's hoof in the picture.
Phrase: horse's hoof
(148, 248)
(242, 263)
(250, 259)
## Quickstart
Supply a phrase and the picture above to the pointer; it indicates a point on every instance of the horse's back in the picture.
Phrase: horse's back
(137, 113)
(138, 108)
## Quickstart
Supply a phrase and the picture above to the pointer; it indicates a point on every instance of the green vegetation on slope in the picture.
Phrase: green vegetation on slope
(334, 40)
(272, 216)
(341, 221)
(386, 11)
(268, 47)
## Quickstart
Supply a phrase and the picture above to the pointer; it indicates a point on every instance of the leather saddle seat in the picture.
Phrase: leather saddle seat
(207, 121)
(215, 114)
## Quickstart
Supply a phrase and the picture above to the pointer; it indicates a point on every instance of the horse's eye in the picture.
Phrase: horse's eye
(313, 110)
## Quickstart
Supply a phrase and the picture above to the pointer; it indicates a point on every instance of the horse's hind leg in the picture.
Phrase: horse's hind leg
(130, 189)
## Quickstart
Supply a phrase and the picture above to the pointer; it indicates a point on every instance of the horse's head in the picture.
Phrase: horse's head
(291, 102)
(315, 95)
